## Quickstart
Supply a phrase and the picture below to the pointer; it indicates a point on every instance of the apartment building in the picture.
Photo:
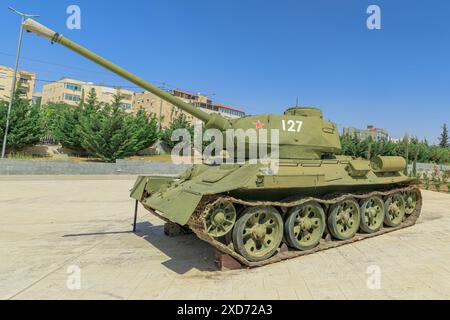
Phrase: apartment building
(370, 131)
(71, 92)
(154, 104)
(25, 83)
(37, 98)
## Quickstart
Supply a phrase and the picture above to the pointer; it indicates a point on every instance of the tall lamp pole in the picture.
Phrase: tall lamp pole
(13, 85)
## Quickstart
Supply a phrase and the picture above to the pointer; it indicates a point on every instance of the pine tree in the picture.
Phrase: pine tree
(109, 133)
(25, 124)
(406, 142)
(443, 140)
(63, 125)
(145, 129)
(3, 111)
(416, 156)
(179, 123)
(91, 104)
(369, 148)
(64, 122)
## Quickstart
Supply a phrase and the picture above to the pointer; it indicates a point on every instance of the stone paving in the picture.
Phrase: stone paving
(48, 225)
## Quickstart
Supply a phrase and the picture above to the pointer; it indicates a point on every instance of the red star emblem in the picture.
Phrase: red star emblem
(259, 125)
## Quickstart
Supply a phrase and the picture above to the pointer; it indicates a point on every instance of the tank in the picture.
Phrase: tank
(316, 200)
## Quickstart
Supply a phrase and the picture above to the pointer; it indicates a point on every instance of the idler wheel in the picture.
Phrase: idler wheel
(372, 214)
(344, 219)
(394, 210)
(220, 219)
(305, 226)
(258, 233)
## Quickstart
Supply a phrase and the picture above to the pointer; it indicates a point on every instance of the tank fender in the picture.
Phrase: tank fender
(175, 204)
(137, 192)
(150, 184)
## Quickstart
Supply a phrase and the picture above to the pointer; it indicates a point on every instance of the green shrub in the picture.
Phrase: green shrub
(437, 184)
(25, 124)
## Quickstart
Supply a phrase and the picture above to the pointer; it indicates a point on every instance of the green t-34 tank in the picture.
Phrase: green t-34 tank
(316, 200)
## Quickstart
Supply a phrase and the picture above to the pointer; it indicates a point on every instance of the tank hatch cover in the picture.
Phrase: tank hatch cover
(304, 112)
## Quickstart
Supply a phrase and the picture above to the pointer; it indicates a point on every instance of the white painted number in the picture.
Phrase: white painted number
(292, 125)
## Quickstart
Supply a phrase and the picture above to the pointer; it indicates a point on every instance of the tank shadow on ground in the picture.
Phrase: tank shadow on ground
(186, 252)
(95, 234)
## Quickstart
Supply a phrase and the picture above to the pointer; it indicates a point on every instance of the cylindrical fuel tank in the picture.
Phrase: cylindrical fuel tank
(388, 164)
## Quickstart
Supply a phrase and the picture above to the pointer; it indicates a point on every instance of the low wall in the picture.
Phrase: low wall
(121, 167)
(428, 167)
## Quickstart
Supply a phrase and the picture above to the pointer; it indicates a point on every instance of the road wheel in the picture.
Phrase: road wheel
(305, 225)
(220, 219)
(344, 219)
(372, 214)
(394, 208)
(410, 201)
(258, 233)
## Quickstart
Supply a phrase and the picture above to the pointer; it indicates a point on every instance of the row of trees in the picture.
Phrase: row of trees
(413, 149)
(104, 131)
(107, 132)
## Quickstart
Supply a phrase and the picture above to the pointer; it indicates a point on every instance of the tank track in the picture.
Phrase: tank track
(197, 223)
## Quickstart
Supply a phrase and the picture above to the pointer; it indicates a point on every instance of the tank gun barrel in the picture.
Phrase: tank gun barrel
(215, 121)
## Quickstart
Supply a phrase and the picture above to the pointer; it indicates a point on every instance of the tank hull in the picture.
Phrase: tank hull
(189, 199)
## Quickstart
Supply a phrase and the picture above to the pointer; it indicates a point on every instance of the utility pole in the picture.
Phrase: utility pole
(13, 85)
(160, 115)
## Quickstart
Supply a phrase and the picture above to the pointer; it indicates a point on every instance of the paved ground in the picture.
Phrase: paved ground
(48, 225)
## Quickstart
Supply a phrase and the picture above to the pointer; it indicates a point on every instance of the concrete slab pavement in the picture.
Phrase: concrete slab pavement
(49, 226)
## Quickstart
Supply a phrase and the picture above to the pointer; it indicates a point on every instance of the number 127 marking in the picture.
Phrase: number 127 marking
(292, 125)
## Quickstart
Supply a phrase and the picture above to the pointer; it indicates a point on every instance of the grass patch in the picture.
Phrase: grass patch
(25, 156)
(81, 159)
(156, 158)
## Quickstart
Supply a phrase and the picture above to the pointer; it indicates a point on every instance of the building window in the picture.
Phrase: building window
(72, 97)
(2, 88)
(125, 106)
(72, 86)
(3, 75)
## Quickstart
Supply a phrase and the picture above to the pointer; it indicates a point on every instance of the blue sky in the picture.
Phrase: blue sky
(261, 55)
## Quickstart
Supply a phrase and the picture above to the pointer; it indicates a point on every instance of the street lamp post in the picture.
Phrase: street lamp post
(13, 85)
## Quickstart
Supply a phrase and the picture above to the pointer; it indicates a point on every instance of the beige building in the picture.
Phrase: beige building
(153, 104)
(37, 98)
(25, 83)
(371, 131)
(71, 92)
